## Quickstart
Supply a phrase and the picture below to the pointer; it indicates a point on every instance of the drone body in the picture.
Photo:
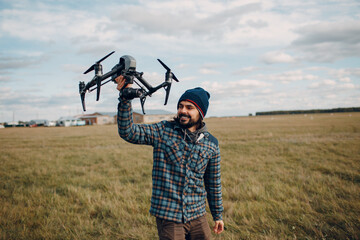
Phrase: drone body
(127, 68)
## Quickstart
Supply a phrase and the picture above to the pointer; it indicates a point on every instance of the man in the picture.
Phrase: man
(186, 166)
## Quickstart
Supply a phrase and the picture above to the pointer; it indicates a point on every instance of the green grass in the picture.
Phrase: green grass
(284, 177)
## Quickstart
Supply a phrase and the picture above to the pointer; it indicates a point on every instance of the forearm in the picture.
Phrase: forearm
(135, 133)
(125, 120)
(215, 202)
(213, 187)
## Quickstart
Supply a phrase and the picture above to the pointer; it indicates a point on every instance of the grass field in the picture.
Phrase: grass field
(284, 177)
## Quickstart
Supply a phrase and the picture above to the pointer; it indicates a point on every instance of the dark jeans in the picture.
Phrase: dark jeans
(195, 229)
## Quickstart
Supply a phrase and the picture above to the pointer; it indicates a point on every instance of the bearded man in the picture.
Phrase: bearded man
(186, 166)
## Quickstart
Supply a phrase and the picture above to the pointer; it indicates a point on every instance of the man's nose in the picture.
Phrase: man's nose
(182, 110)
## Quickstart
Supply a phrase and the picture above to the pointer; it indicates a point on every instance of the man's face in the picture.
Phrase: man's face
(188, 115)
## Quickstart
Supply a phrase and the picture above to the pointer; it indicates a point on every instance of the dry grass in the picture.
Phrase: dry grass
(284, 177)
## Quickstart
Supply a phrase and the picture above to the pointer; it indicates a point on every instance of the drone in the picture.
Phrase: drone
(127, 68)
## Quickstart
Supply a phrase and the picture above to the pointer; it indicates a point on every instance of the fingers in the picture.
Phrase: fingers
(219, 227)
(119, 78)
(120, 82)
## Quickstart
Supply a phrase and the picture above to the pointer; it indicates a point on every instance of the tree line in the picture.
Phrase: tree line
(333, 110)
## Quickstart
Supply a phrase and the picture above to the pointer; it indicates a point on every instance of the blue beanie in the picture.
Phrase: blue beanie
(199, 97)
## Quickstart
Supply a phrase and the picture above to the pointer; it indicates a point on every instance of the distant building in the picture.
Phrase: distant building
(12, 124)
(41, 122)
(103, 118)
(98, 118)
(111, 116)
(151, 116)
(51, 124)
(38, 122)
(70, 121)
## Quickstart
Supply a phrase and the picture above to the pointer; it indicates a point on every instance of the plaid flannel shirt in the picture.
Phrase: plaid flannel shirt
(184, 174)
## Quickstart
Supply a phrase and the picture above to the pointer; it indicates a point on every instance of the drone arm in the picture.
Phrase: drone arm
(115, 71)
(144, 82)
(166, 85)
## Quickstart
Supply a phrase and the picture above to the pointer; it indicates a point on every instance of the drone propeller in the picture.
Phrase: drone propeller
(168, 77)
(98, 72)
(169, 74)
(97, 63)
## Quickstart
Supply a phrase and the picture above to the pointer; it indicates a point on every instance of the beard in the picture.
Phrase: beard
(189, 124)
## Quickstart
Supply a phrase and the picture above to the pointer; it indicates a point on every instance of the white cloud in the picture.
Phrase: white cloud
(354, 72)
(16, 62)
(346, 75)
(74, 68)
(329, 82)
(208, 71)
(328, 41)
(271, 43)
(257, 23)
(345, 79)
(188, 79)
(291, 76)
(331, 96)
(4, 78)
(277, 57)
(51, 26)
(245, 70)
(243, 87)
(182, 66)
(187, 19)
(347, 86)
(323, 83)
(210, 68)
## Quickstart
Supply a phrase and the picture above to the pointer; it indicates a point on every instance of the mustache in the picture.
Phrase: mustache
(183, 115)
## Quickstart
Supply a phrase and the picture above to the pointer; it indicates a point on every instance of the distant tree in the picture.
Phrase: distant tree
(334, 110)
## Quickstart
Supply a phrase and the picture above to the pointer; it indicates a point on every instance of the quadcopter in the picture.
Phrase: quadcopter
(127, 68)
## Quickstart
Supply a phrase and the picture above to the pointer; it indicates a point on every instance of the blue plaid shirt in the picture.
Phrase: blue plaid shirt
(184, 174)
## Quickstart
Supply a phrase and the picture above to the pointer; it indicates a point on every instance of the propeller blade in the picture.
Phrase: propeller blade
(90, 69)
(105, 57)
(163, 64)
(97, 63)
(169, 70)
(174, 77)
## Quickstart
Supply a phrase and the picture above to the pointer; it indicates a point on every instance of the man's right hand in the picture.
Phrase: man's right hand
(121, 82)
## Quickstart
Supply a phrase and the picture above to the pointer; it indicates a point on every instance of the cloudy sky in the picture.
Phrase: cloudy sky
(250, 55)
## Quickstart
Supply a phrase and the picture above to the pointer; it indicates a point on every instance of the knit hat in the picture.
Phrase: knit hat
(199, 97)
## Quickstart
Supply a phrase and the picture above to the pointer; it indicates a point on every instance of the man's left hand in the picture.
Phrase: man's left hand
(219, 227)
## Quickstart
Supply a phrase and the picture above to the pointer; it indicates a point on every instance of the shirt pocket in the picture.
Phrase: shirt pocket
(174, 151)
(199, 160)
